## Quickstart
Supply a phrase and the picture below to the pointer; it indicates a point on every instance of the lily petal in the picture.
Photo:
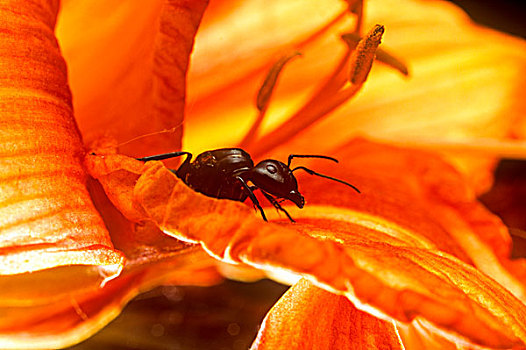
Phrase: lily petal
(394, 270)
(307, 317)
(81, 308)
(423, 183)
(43, 197)
(369, 251)
(51, 235)
(138, 85)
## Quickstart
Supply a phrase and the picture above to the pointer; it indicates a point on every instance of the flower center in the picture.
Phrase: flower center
(344, 82)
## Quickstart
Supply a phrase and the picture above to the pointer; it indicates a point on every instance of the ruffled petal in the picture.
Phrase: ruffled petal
(379, 249)
(59, 265)
(394, 264)
(307, 317)
(78, 310)
(419, 183)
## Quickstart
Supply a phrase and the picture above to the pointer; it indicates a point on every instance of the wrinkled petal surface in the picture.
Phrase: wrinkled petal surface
(58, 263)
(43, 198)
(383, 249)
(403, 250)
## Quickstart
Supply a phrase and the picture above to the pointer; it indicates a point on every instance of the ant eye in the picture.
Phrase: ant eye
(271, 169)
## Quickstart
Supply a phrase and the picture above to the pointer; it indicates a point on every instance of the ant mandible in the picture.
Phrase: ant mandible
(225, 173)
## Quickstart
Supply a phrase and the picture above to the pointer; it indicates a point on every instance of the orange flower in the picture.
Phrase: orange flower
(413, 254)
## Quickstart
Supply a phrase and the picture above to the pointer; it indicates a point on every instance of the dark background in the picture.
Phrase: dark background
(507, 16)
(227, 316)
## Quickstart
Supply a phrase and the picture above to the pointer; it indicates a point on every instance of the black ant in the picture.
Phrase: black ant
(225, 173)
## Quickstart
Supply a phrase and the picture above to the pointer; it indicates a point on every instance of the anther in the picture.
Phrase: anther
(382, 55)
(265, 92)
(264, 95)
(362, 58)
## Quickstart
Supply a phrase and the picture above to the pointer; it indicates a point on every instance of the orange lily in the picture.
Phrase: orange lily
(382, 251)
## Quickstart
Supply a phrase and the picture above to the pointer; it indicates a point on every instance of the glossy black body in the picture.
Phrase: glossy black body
(214, 173)
(225, 173)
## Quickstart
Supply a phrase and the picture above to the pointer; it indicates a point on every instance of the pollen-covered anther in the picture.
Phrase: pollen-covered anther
(382, 55)
(326, 98)
(362, 58)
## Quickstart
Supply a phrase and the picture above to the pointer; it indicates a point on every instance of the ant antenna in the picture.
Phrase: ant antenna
(312, 172)
(309, 156)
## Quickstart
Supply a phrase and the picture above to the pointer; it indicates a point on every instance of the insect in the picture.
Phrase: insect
(227, 173)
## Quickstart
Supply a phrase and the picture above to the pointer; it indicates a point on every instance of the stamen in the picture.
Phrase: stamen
(382, 55)
(329, 96)
(270, 81)
(305, 117)
(250, 136)
(356, 7)
(263, 97)
(392, 61)
(332, 84)
(362, 58)
(300, 46)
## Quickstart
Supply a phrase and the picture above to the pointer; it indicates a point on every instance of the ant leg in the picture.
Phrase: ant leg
(252, 197)
(291, 156)
(277, 205)
(312, 172)
(274, 202)
(166, 156)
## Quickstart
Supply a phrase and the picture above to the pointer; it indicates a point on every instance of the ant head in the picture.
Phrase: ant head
(276, 178)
